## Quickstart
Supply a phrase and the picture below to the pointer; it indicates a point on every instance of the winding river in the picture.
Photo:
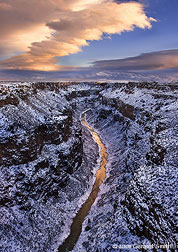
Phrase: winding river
(76, 226)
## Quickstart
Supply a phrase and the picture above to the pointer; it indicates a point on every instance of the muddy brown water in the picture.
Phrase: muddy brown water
(76, 227)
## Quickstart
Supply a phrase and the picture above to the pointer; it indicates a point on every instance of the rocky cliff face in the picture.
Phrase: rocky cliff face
(41, 159)
(48, 162)
(137, 203)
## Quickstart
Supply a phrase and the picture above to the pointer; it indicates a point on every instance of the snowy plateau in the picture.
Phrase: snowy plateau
(48, 163)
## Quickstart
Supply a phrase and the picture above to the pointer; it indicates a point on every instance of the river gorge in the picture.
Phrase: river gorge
(88, 166)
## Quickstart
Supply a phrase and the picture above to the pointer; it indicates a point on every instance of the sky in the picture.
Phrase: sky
(89, 40)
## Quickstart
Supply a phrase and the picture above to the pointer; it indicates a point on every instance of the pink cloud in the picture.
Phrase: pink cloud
(45, 29)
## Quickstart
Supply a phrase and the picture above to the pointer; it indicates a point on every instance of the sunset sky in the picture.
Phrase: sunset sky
(89, 39)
